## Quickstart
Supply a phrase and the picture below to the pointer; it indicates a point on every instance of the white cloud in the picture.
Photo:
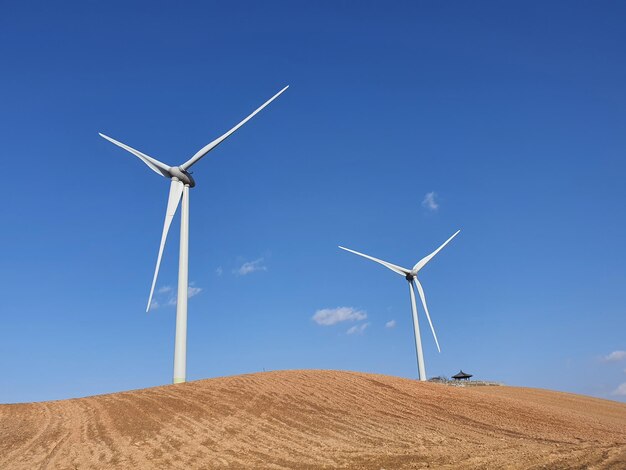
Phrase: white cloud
(164, 289)
(330, 316)
(390, 324)
(192, 291)
(154, 305)
(429, 202)
(250, 267)
(219, 271)
(621, 390)
(357, 329)
(615, 356)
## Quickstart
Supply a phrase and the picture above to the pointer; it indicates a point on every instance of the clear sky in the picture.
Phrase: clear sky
(403, 123)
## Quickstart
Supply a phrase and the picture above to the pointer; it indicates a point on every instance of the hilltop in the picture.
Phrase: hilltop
(316, 419)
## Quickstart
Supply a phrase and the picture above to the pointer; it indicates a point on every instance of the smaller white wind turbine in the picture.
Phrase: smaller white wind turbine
(411, 276)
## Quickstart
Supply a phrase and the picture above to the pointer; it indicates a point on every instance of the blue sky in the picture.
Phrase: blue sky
(510, 115)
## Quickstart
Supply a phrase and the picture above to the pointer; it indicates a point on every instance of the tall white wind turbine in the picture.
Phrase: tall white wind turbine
(411, 276)
(181, 181)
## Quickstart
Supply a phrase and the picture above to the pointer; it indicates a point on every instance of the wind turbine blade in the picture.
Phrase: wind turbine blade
(423, 297)
(421, 263)
(155, 165)
(176, 190)
(395, 268)
(207, 148)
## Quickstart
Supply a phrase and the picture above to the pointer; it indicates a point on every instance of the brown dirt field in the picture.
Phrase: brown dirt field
(316, 419)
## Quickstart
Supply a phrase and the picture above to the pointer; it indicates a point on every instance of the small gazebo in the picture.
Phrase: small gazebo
(462, 376)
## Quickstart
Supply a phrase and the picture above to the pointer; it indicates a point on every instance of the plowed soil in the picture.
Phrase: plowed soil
(316, 419)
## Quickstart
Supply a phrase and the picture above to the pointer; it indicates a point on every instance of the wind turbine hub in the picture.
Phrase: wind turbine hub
(182, 175)
(409, 277)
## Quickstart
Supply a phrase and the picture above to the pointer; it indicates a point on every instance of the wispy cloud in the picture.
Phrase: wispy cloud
(250, 267)
(191, 292)
(331, 316)
(390, 324)
(620, 390)
(615, 356)
(167, 295)
(219, 271)
(357, 329)
(430, 201)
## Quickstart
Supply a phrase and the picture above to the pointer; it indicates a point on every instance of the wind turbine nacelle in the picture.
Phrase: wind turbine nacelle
(182, 175)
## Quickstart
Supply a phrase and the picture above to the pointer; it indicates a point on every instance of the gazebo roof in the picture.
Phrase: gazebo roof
(462, 375)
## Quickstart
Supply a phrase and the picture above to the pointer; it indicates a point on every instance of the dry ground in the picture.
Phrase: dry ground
(316, 419)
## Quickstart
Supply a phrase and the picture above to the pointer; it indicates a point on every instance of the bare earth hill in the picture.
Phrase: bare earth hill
(316, 419)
